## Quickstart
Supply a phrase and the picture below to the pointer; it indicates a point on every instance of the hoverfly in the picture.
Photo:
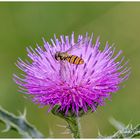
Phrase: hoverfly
(73, 59)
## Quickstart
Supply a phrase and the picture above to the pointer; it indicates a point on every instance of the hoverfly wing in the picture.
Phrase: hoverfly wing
(76, 46)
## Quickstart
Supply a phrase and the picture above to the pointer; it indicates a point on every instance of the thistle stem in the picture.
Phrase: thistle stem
(71, 119)
(73, 126)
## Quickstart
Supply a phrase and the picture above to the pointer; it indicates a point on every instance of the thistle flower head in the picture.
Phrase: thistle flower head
(64, 81)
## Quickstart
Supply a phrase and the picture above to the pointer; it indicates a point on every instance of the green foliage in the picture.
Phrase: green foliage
(19, 123)
(123, 131)
(26, 130)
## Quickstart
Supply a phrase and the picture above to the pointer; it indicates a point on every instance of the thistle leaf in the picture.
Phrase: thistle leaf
(123, 131)
(19, 123)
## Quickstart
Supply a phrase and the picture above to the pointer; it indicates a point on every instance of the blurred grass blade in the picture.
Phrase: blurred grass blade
(19, 123)
(118, 125)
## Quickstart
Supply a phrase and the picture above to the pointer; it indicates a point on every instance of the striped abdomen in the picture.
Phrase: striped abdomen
(73, 59)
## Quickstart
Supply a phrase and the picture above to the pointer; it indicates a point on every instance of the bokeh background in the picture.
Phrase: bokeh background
(24, 24)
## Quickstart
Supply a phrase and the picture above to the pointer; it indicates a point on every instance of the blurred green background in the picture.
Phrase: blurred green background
(24, 24)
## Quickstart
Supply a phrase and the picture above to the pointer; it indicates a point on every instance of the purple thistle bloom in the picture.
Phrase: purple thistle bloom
(71, 86)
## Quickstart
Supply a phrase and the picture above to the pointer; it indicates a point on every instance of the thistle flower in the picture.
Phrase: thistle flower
(73, 87)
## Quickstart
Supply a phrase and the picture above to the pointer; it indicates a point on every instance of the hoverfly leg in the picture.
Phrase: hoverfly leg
(62, 71)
